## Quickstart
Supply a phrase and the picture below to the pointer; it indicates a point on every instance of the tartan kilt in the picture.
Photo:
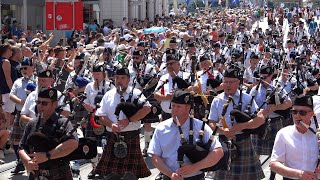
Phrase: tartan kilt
(17, 131)
(133, 162)
(245, 167)
(89, 132)
(58, 173)
(264, 147)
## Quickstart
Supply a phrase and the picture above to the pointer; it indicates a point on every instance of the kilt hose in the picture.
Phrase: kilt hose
(55, 173)
(245, 167)
(264, 147)
(133, 162)
(17, 131)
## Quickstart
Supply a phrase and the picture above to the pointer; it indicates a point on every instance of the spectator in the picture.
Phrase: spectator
(93, 27)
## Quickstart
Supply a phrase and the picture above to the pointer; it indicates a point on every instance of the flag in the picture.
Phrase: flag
(188, 2)
(212, 2)
(204, 1)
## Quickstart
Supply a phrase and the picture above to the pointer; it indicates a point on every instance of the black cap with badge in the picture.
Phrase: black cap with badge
(98, 68)
(49, 93)
(137, 53)
(204, 57)
(304, 101)
(232, 72)
(46, 74)
(181, 97)
(266, 70)
(123, 71)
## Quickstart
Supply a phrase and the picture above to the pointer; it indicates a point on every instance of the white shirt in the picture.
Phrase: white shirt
(221, 99)
(91, 92)
(29, 106)
(166, 141)
(203, 78)
(108, 106)
(165, 105)
(18, 89)
(296, 150)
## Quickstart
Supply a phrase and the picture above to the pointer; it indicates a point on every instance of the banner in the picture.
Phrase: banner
(64, 15)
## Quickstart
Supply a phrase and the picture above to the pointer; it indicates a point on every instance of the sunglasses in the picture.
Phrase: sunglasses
(43, 103)
(135, 57)
(24, 68)
(301, 112)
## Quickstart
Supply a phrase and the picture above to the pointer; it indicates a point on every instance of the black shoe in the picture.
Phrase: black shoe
(92, 174)
(159, 176)
(18, 169)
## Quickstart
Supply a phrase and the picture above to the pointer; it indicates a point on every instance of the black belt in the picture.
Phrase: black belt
(127, 135)
(196, 177)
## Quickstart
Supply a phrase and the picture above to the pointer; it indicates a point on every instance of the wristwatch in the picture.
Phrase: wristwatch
(48, 155)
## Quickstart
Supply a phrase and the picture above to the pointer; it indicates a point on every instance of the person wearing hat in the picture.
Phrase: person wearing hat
(166, 141)
(209, 83)
(247, 164)
(94, 92)
(18, 95)
(279, 100)
(231, 46)
(164, 94)
(186, 60)
(60, 67)
(79, 71)
(29, 110)
(295, 151)
(45, 164)
(122, 125)
(248, 77)
(216, 52)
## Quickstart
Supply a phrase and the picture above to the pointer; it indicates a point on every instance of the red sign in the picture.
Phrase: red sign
(64, 15)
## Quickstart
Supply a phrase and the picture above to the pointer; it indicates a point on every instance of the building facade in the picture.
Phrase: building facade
(30, 13)
(103, 10)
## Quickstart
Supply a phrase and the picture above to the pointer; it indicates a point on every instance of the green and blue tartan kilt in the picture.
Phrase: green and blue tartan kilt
(133, 162)
(264, 147)
(17, 131)
(245, 167)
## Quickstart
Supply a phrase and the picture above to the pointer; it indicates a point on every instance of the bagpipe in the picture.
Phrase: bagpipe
(130, 108)
(197, 152)
(40, 142)
(120, 148)
(200, 150)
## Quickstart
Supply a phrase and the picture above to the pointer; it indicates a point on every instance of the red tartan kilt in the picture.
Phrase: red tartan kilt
(133, 162)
